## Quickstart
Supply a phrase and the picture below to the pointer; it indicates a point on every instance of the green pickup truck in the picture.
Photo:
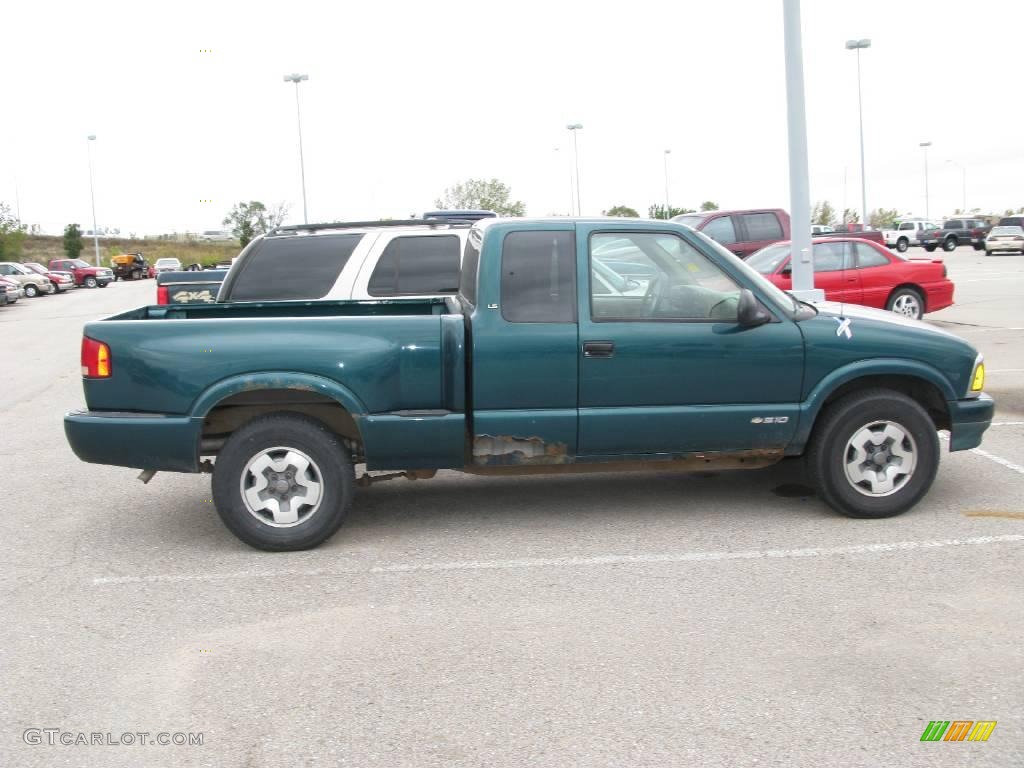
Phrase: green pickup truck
(573, 345)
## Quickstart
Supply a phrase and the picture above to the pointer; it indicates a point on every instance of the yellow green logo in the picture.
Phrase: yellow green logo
(958, 730)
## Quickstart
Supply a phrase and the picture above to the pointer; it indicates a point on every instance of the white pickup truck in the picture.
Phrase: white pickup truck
(906, 233)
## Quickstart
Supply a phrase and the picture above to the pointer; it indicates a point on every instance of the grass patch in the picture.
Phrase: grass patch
(43, 248)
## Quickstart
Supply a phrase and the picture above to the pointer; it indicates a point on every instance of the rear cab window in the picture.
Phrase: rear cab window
(538, 277)
(302, 267)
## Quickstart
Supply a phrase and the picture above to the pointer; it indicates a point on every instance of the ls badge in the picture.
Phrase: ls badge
(844, 327)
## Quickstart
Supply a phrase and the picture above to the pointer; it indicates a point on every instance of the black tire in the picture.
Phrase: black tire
(949, 244)
(930, 248)
(103, 285)
(137, 275)
(90, 282)
(295, 432)
(988, 253)
(902, 244)
(829, 452)
(31, 291)
(903, 297)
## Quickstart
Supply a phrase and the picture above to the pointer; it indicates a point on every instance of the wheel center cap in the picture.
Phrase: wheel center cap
(281, 486)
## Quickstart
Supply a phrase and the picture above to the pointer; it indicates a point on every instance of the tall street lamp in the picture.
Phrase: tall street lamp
(857, 45)
(573, 127)
(925, 145)
(92, 196)
(799, 188)
(963, 171)
(667, 209)
(297, 78)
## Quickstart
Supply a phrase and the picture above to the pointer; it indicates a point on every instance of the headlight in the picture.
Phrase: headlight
(977, 378)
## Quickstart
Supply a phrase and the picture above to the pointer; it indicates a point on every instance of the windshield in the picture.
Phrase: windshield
(782, 299)
(767, 260)
(167, 262)
(78, 264)
(690, 221)
(36, 268)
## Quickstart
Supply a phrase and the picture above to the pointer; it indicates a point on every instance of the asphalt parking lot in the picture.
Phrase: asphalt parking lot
(611, 620)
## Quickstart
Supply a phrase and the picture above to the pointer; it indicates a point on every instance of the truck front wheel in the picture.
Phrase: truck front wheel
(949, 244)
(874, 454)
(283, 482)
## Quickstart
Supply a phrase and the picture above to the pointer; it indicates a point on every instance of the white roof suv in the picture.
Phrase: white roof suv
(356, 260)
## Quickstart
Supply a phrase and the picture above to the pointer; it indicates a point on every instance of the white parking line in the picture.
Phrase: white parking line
(999, 460)
(1007, 424)
(572, 562)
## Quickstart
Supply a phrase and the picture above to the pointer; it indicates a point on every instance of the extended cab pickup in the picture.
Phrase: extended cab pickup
(955, 232)
(573, 345)
(83, 273)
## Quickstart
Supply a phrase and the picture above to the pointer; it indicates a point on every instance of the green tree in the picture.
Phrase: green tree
(823, 213)
(883, 218)
(481, 194)
(850, 216)
(12, 234)
(709, 205)
(247, 220)
(657, 211)
(72, 241)
(621, 210)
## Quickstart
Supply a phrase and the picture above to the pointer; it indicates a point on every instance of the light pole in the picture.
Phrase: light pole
(925, 145)
(92, 196)
(963, 170)
(573, 127)
(667, 209)
(856, 45)
(297, 78)
(799, 188)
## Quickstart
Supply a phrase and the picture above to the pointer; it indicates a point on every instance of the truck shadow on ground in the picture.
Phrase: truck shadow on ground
(452, 499)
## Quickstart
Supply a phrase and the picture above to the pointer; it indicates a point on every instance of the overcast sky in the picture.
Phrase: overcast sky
(404, 99)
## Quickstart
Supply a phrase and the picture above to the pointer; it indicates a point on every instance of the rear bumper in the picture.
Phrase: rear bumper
(1003, 245)
(968, 421)
(139, 440)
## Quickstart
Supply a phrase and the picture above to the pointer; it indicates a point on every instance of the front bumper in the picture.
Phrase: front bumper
(968, 421)
(140, 440)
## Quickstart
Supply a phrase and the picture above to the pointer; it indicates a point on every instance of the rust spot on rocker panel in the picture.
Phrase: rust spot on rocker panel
(690, 462)
(508, 450)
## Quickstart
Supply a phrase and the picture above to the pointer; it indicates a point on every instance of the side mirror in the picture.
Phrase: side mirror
(786, 270)
(749, 312)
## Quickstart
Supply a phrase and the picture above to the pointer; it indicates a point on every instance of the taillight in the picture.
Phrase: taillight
(95, 359)
(161, 295)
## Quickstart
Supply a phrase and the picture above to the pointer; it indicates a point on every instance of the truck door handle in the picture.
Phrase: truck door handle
(598, 348)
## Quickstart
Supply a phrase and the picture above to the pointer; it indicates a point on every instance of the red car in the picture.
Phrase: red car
(61, 280)
(860, 272)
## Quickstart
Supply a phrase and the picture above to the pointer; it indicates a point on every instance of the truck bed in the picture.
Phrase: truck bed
(391, 355)
(240, 310)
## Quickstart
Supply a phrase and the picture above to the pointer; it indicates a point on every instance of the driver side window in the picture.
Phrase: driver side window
(651, 276)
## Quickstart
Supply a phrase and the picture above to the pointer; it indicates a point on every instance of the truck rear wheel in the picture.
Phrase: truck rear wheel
(283, 482)
(874, 454)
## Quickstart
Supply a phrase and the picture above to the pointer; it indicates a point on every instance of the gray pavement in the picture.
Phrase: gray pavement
(608, 620)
